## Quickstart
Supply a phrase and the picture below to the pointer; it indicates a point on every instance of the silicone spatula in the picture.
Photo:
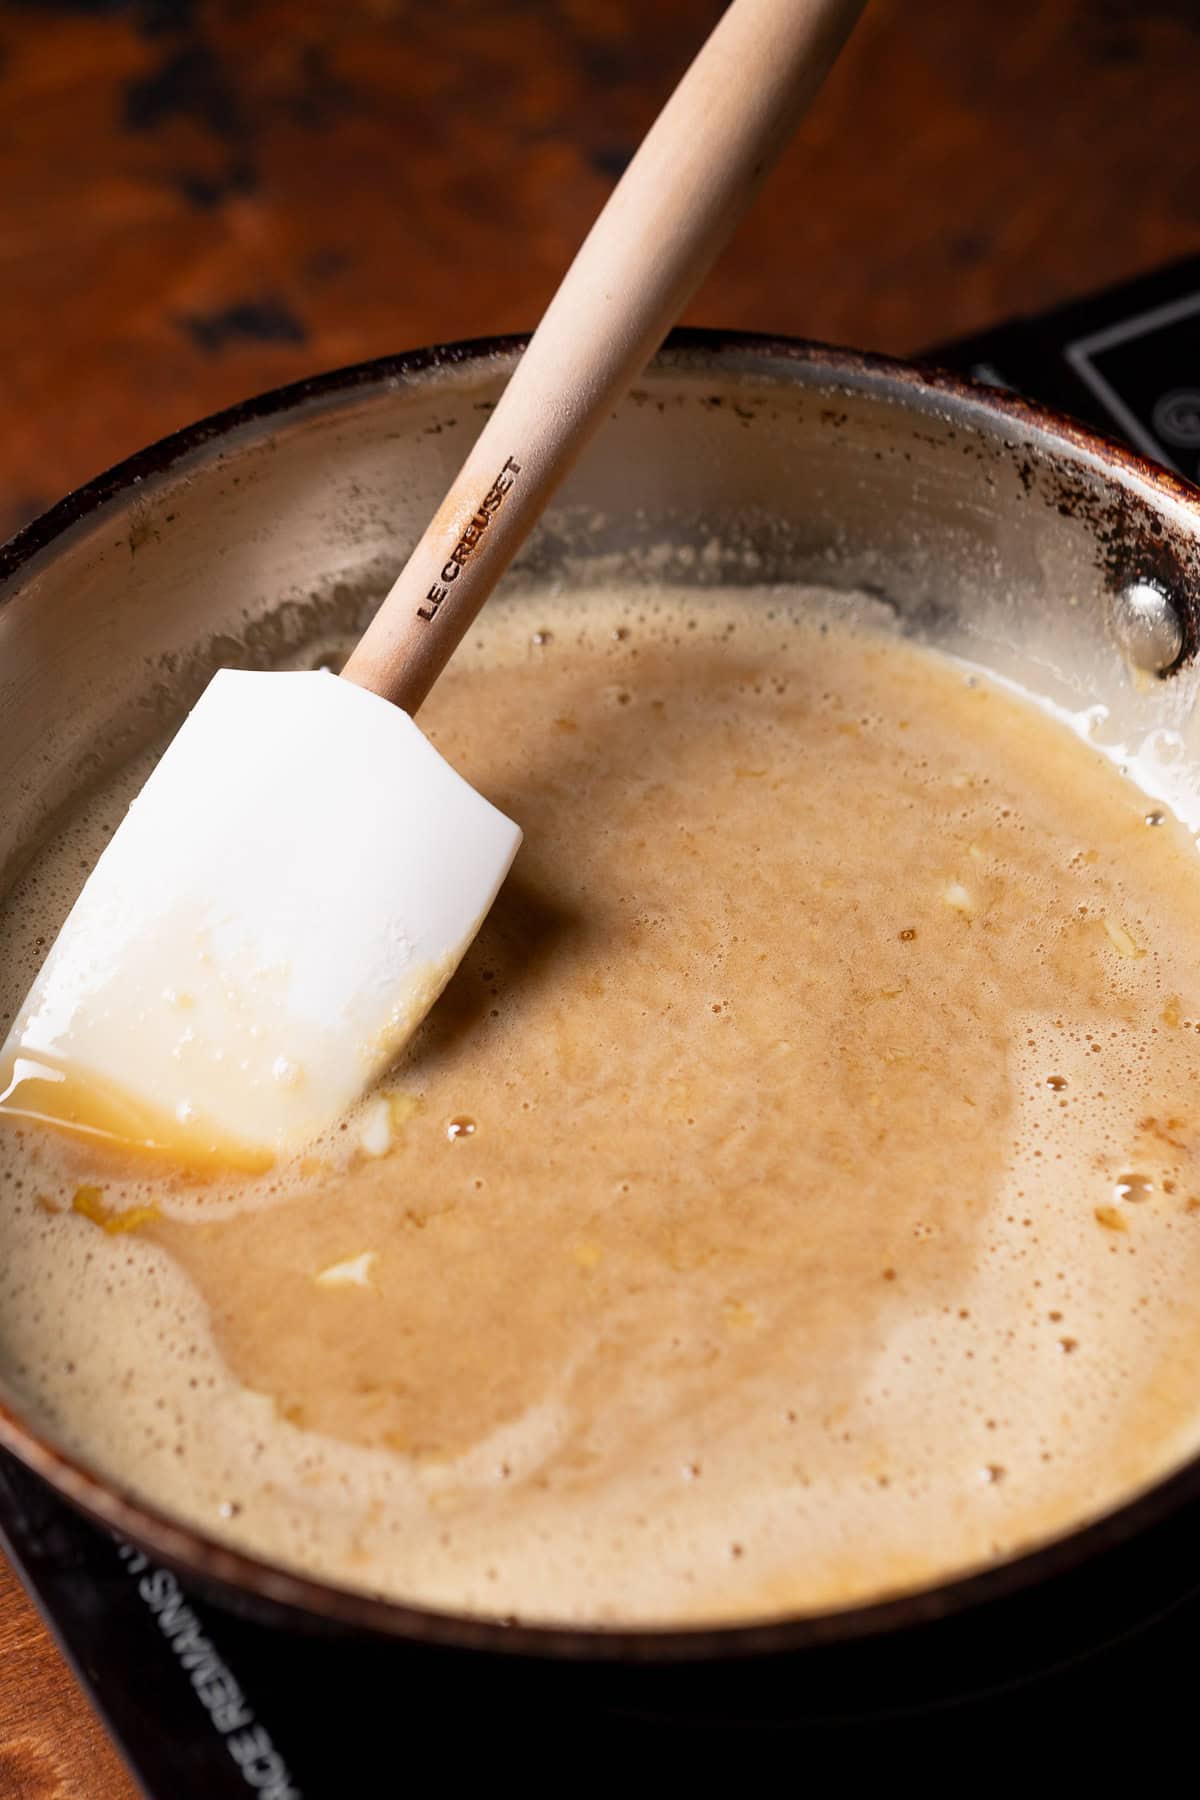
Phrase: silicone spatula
(302, 872)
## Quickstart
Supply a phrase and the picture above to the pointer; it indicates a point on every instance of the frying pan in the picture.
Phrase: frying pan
(982, 524)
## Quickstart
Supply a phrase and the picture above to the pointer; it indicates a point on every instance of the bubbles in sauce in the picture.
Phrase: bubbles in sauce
(794, 1198)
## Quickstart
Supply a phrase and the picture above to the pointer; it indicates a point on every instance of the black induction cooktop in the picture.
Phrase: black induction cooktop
(208, 1705)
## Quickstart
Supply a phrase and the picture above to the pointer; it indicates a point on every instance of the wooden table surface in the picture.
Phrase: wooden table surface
(203, 198)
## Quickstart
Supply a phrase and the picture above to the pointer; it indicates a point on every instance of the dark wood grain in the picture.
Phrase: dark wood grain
(202, 198)
(52, 1746)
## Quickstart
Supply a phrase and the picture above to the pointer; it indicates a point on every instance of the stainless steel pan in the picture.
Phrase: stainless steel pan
(986, 525)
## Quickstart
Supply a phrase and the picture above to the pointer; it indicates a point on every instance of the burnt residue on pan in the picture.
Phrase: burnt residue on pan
(1132, 541)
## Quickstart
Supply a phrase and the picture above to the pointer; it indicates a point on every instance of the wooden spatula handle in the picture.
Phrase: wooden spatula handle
(677, 203)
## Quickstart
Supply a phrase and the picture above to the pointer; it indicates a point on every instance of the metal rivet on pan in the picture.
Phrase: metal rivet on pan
(1146, 627)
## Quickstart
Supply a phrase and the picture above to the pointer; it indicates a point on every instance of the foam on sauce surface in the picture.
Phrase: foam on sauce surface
(794, 1197)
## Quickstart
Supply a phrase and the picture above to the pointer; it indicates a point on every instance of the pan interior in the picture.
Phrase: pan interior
(846, 516)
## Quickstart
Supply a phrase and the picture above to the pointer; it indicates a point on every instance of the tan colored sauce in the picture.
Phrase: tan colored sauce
(794, 1197)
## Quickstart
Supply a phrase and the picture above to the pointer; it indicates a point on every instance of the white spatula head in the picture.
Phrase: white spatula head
(282, 904)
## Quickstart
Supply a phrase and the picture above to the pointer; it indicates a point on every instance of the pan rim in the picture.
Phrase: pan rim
(190, 1550)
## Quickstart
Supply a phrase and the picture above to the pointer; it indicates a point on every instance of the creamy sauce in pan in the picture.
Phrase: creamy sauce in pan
(794, 1198)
